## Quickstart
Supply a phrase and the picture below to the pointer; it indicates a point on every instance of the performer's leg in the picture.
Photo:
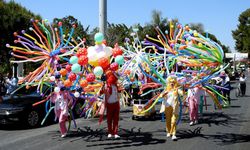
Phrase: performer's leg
(191, 109)
(173, 124)
(109, 118)
(116, 113)
(62, 123)
(168, 114)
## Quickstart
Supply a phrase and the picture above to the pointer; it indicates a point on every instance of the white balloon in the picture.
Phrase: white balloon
(52, 78)
(57, 89)
(76, 94)
(108, 51)
(91, 52)
(99, 48)
(101, 54)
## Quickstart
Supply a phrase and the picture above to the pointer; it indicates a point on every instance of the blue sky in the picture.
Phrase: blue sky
(219, 17)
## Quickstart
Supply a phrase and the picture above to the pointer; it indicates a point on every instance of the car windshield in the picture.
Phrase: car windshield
(31, 90)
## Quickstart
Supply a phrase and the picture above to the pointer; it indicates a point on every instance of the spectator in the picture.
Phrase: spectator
(226, 86)
(242, 84)
(11, 83)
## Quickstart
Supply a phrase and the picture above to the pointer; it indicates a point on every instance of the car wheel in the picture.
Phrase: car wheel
(33, 118)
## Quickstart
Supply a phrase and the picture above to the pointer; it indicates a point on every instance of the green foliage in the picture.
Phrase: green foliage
(68, 22)
(242, 33)
(116, 33)
(14, 18)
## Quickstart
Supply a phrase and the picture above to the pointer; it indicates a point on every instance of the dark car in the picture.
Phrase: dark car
(17, 107)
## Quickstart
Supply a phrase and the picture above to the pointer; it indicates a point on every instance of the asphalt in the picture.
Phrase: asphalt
(226, 129)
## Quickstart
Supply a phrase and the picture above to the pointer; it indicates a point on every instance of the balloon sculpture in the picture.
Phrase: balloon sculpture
(67, 64)
(181, 52)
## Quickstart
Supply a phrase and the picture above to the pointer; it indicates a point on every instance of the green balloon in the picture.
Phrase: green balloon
(73, 60)
(119, 59)
(99, 37)
(76, 68)
(98, 71)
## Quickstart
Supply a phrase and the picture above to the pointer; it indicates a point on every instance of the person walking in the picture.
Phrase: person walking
(172, 106)
(112, 103)
(62, 101)
(242, 80)
(193, 97)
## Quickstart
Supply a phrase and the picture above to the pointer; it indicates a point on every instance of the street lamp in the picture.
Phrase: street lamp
(103, 16)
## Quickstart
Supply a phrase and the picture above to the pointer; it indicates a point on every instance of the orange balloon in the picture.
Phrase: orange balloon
(127, 72)
(67, 83)
(83, 83)
(63, 72)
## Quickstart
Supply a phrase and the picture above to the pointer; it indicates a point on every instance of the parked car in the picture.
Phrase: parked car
(139, 106)
(17, 107)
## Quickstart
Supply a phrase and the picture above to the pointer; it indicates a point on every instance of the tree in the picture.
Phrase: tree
(156, 21)
(68, 22)
(14, 18)
(116, 33)
(242, 33)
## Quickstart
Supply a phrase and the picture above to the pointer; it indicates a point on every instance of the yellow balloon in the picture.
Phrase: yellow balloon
(93, 62)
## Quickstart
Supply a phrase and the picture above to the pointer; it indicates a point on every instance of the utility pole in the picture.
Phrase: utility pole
(103, 16)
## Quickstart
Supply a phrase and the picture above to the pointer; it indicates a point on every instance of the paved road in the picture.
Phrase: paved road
(227, 129)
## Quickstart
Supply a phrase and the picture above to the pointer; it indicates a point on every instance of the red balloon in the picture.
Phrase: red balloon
(81, 51)
(116, 51)
(104, 63)
(114, 66)
(68, 67)
(90, 77)
(83, 60)
(72, 77)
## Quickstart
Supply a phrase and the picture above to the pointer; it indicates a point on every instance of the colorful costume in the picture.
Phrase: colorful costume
(113, 110)
(112, 105)
(61, 101)
(172, 106)
(194, 96)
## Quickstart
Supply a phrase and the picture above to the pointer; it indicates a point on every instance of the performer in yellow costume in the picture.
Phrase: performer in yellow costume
(172, 105)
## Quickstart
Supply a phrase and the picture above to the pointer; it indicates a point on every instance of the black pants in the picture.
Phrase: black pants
(243, 88)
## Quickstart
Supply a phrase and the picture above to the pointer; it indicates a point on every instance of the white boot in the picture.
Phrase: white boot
(117, 136)
(174, 138)
(191, 123)
(109, 135)
(168, 134)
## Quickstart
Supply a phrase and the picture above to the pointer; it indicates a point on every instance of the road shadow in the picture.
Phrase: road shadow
(228, 138)
(153, 117)
(22, 126)
(129, 138)
(220, 138)
(218, 119)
